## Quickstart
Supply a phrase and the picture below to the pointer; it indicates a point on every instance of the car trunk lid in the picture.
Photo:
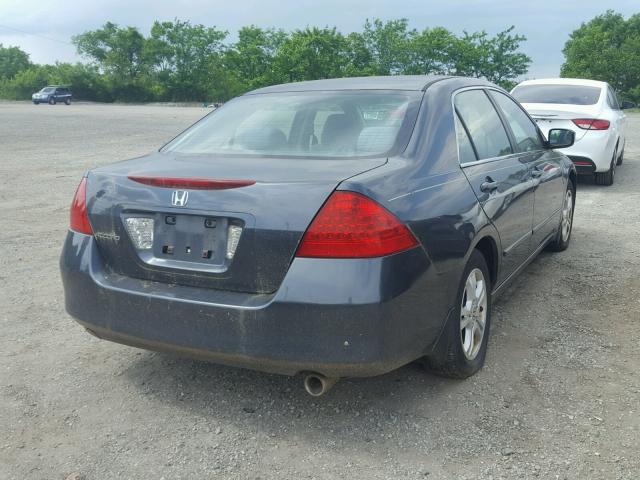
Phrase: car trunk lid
(551, 115)
(265, 212)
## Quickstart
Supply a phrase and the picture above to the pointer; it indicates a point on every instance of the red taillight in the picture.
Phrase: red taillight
(79, 221)
(351, 225)
(191, 183)
(591, 123)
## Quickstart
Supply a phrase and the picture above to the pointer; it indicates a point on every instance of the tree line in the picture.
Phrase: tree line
(181, 61)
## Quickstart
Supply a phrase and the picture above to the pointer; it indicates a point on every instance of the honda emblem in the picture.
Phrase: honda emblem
(179, 198)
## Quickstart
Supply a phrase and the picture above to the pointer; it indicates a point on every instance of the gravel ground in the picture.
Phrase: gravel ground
(559, 397)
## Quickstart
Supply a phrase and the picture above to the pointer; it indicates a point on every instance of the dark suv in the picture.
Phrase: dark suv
(52, 95)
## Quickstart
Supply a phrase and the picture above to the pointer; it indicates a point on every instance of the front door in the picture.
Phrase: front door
(546, 167)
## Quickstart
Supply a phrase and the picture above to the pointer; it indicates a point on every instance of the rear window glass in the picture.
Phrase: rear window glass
(562, 94)
(305, 124)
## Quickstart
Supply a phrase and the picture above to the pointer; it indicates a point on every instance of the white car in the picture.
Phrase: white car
(589, 108)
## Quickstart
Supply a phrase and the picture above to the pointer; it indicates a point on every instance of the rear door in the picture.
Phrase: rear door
(499, 175)
(545, 164)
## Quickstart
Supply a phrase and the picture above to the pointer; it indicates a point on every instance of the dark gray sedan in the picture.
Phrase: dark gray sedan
(331, 228)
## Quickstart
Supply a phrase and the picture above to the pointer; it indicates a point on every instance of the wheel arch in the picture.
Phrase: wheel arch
(573, 178)
(488, 247)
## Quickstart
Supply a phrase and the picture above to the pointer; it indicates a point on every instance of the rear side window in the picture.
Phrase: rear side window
(612, 100)
(562, 94)
(524, 130)
(483, 124)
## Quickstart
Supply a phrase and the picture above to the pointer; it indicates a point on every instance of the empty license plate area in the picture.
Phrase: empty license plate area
(190, 238)
(182, 241)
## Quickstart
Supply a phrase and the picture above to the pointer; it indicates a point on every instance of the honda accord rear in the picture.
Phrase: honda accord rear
(320, 227)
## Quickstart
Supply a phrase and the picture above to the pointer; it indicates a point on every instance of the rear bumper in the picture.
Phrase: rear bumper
(335, 317)
(596, 148)
(583, 165)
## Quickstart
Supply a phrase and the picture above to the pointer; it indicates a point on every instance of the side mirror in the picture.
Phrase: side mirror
(561, 138)
(627, 105)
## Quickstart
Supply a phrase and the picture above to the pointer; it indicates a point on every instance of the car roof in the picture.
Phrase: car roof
(391, 82)
(565, 81)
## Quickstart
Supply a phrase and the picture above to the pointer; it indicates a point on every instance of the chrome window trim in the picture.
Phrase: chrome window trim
(491, 159)
(455, 112)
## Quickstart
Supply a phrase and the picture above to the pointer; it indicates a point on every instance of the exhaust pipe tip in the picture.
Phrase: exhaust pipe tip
(317, 384)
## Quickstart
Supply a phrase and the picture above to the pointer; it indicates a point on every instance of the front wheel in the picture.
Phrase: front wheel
(561, 241)
(467, 331)
(35, 102)
(52, 101)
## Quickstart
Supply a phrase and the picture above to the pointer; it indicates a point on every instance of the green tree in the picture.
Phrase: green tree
(388, 44)
(251, 58)
(182, 55)
(495, 58)
(119, 52)
(310, 54)
(12, 61)
(606, 48)
(429, 51)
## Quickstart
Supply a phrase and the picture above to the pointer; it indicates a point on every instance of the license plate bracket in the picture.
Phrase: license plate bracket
(190, 238)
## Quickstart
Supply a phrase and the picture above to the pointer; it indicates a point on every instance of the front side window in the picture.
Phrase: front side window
(483, 124)
(523, 128)
(338, 124)
(560, 94)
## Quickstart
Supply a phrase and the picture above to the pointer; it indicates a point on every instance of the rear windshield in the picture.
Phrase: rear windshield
(563, 94)
(343, 124)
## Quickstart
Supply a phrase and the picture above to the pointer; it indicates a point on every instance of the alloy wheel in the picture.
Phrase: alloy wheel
(473, 313)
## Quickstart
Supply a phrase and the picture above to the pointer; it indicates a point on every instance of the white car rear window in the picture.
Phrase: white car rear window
(563, 94)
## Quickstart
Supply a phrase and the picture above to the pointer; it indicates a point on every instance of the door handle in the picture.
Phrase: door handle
(537, 173)
(489, 185)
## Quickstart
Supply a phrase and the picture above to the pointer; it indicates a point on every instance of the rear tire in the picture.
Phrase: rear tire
(563, 237)
(621, 158)
(67, 101)
(607, 178)
(464, 339)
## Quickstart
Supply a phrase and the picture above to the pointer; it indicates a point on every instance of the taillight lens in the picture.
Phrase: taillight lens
(591, 123)
(79, 221)
(351, 225)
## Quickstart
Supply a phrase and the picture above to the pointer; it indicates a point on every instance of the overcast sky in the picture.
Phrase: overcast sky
(546, 23)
